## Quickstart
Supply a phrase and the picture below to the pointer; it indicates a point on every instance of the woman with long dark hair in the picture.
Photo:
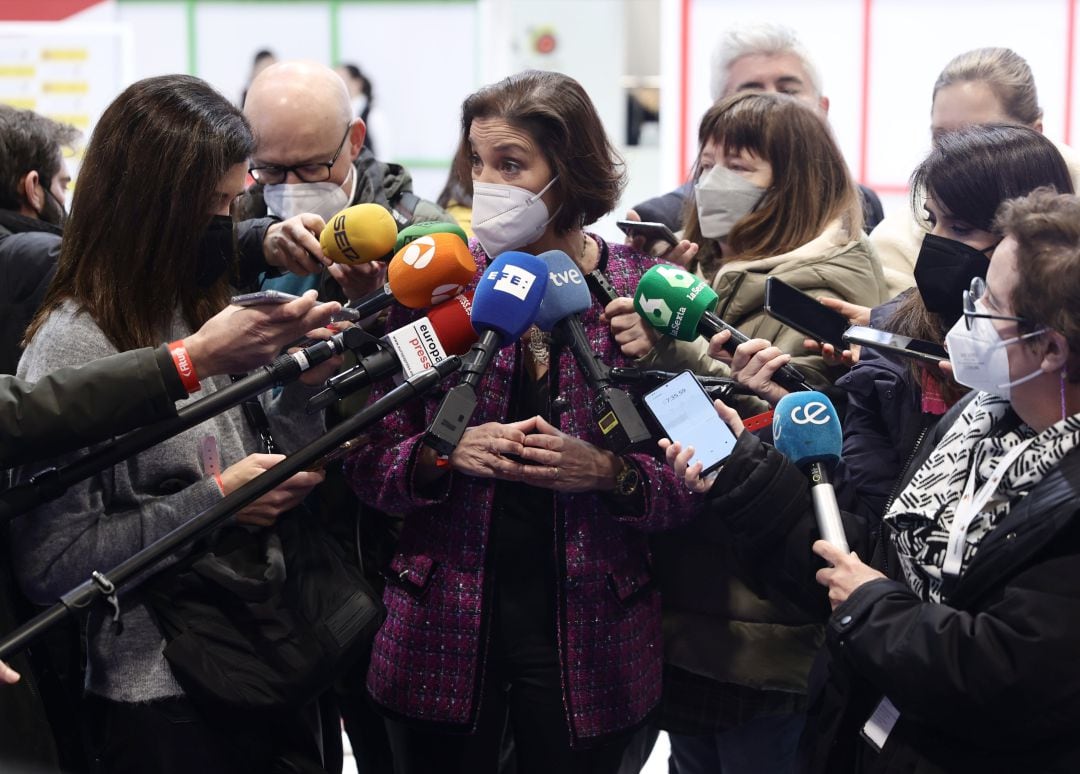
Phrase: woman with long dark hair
(147, 257)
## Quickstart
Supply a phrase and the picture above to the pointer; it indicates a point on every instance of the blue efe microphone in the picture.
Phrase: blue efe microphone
(806, 430)
(568, 294)
(507, 300)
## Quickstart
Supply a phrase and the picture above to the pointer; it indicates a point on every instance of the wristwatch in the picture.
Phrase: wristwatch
(627, 479)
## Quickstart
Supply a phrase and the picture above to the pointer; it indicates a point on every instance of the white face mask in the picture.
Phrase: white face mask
(723, 199)
(505, 217)
(326, 200)
(980, 358)
(359, 104)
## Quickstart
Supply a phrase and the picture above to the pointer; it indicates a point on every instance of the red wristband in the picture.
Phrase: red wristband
(755, 423)
(184, 367)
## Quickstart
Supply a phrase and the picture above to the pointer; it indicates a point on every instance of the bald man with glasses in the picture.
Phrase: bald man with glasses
(310, 164)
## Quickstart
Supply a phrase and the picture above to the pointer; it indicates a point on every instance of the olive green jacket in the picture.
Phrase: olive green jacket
(714, 624)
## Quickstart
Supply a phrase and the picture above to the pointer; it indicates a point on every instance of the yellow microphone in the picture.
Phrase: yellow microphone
(358, 234)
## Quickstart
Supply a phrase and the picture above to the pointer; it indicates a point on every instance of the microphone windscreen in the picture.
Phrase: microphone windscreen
(673, 300)
(429, 270)
(508, 295)
(452, 321)
(409, 233)
(807, 429)
(358, 234)
(566, 292)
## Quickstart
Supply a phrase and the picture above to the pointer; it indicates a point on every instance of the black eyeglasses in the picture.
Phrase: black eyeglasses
(272, 174)
(972, 296)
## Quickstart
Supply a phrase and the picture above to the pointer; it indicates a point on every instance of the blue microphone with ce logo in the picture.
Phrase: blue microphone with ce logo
(807, 431)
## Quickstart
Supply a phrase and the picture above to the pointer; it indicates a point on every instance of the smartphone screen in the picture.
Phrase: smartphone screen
(687, 415)
(651, 231)
(804, 313)
(263, 297)
(900, 345)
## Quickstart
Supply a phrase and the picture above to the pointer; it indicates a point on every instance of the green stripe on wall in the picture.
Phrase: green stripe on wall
(192, 40)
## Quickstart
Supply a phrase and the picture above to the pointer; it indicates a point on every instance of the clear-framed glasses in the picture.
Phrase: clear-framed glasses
(973, 309)
(273, 174)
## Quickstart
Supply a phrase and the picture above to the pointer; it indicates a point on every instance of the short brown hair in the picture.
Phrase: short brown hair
(1046, 227)
(560, 117)
(146, 193)
(29, 142)
(811, 186)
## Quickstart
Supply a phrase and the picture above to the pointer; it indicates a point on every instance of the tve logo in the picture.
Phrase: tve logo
(571, 277)
(419, 252)
(513, 280)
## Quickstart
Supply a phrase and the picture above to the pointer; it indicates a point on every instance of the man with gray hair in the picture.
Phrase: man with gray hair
(33, 193)
(757, 57)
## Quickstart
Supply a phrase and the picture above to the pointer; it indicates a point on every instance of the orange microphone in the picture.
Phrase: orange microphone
(425, 272)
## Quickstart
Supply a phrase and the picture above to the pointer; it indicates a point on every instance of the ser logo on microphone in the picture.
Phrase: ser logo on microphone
(341, 239)
(816, 413)
(513, 280)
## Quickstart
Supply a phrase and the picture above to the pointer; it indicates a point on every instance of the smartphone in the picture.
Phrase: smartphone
(687, 415)
(804, 313)
(904, 346)
(651, 231)
(263, 297)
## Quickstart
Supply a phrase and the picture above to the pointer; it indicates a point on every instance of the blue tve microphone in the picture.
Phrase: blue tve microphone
(568, 294)
(807, 431)
(507, 300)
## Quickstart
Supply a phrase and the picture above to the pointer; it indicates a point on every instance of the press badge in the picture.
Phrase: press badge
(877, 729)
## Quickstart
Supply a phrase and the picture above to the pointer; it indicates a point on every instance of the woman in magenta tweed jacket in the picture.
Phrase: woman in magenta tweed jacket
(433, 667)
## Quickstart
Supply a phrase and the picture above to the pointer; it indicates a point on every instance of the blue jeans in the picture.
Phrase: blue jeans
(765, 745)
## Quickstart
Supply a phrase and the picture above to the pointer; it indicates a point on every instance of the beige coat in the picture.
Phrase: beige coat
(833, 265)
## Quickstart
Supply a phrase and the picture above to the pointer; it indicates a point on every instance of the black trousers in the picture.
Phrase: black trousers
(521, 712)
(170, 736)
(522, 698)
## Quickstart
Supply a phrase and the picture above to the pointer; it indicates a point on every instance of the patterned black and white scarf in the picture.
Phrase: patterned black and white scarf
(923, 513)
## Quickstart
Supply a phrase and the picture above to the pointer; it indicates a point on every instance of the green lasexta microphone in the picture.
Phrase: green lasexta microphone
(679, 304)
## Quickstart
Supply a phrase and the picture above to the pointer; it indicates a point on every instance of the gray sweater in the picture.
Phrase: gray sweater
(100, 522)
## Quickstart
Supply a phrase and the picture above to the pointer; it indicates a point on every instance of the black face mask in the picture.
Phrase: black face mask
(217, 251)
(943, 271)
(52, 211)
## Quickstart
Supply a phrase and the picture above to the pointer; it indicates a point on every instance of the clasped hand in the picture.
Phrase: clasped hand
(534, 452)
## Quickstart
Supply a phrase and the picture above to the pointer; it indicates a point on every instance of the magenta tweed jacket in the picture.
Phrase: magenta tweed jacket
(429, 656)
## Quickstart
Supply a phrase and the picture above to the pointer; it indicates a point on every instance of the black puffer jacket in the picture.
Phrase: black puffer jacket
(884, 424)
(989, 682)
(29, 248)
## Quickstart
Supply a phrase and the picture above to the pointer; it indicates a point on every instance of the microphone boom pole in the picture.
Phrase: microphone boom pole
(105, 584)
(52, 482)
